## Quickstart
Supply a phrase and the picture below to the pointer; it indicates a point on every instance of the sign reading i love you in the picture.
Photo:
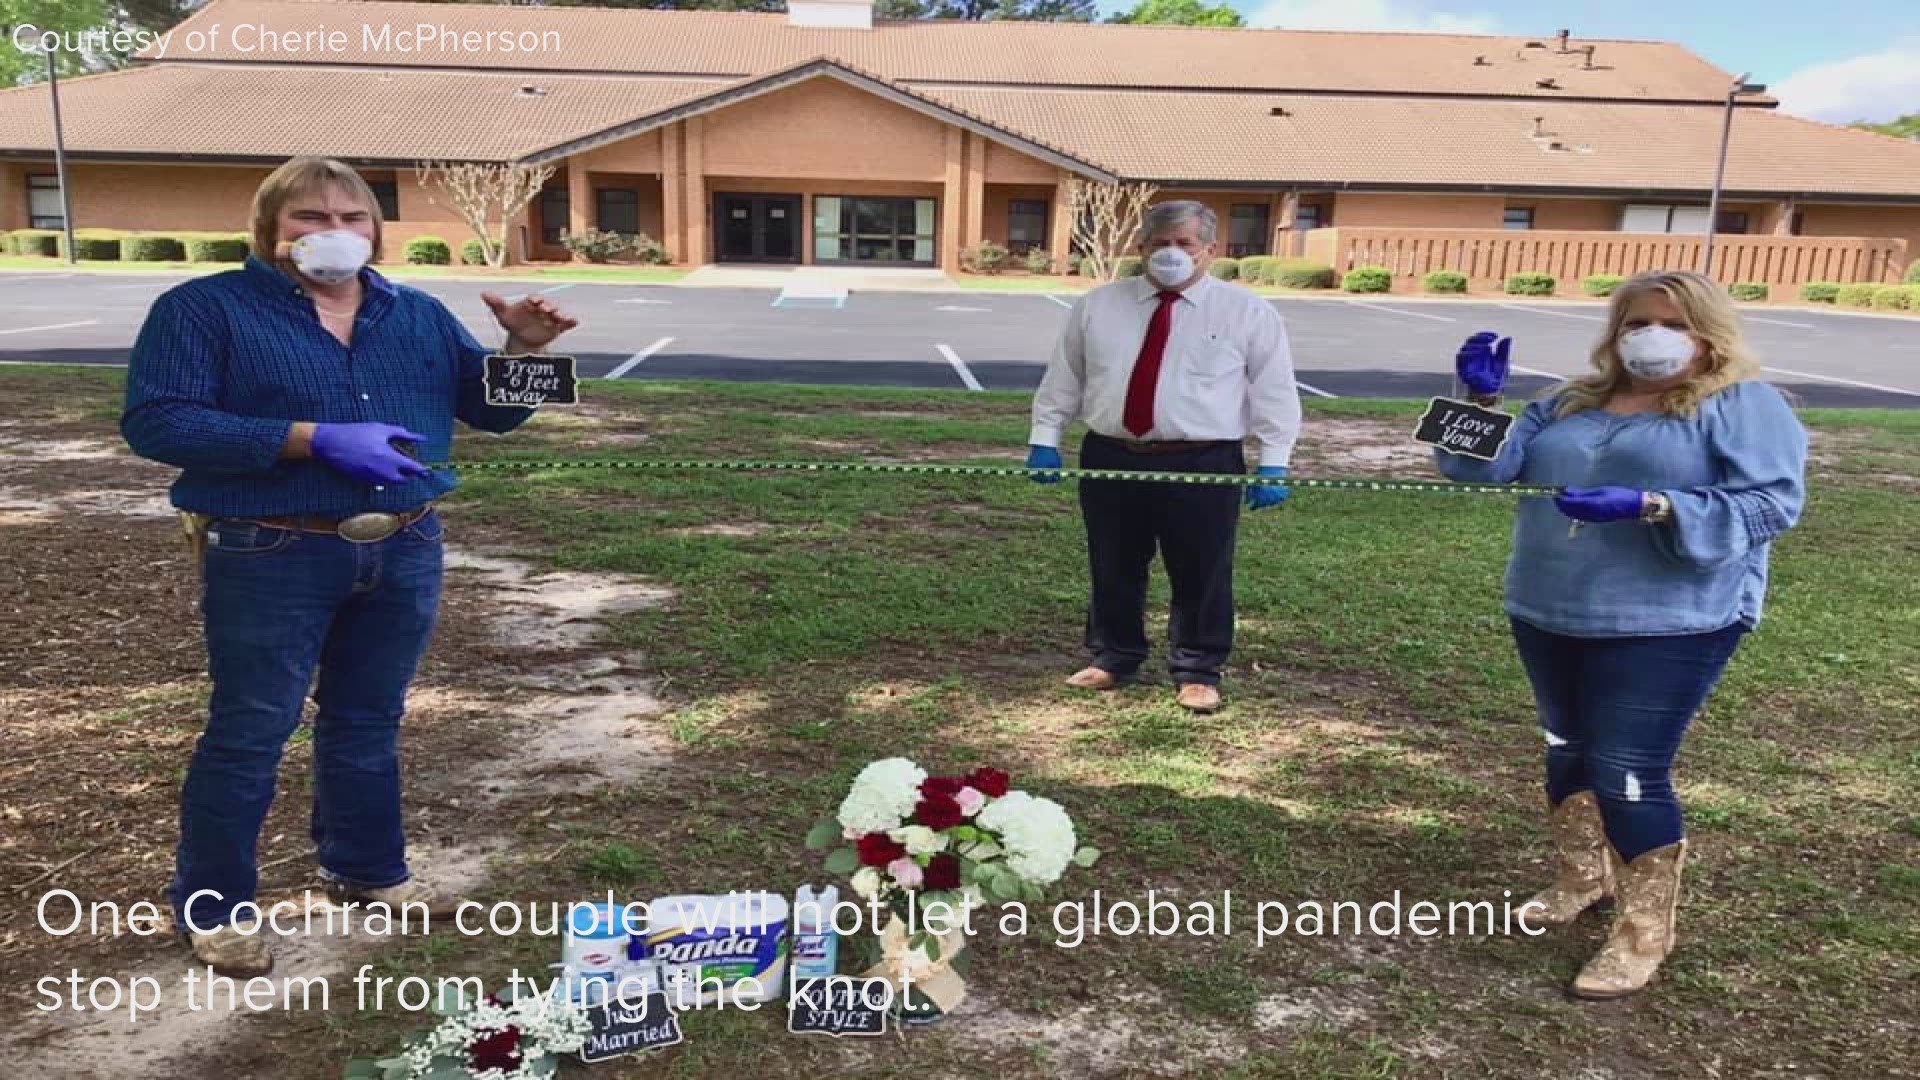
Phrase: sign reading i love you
(1460, 428)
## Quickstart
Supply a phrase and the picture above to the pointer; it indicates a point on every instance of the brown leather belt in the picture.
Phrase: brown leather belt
(359, 528)
(1164, 446)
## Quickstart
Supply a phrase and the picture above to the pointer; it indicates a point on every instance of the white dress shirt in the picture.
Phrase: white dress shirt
(1226, 372)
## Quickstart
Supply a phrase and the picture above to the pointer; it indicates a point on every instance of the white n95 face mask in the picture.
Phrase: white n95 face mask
(1656, 352)
(331, 257)
(1169, 267)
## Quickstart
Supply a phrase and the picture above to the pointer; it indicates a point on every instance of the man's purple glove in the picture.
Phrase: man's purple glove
(365, 452)
(1601, 503)
(1483, 363)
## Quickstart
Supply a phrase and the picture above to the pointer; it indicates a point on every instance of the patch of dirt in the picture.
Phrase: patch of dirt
(1337, 447)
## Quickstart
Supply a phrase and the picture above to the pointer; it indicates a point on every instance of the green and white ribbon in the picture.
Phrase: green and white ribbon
(995, 471)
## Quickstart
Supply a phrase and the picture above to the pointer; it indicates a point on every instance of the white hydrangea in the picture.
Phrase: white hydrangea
(919, 840)
(882, 797)
(1037, 834)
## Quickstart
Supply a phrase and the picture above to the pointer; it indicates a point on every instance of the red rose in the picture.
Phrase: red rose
(942, 785)
(943, 872)
(878, 849)
(938, 812)
(499, 1050)
(989, 782)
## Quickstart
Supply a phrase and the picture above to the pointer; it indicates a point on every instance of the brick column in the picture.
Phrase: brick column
(953, 201)
(696, 211)
(673, 184)
(579, 197)
(1060, 223)
(976, 185)
(13, 198)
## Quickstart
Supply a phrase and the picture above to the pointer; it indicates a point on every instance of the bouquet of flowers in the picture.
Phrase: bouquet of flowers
(920, 840)
(496, 1039)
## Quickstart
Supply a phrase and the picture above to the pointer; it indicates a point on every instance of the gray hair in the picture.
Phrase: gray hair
(1174, 213)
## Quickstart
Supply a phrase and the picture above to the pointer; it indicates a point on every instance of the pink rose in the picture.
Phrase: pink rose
(970, 800)
(906, 873)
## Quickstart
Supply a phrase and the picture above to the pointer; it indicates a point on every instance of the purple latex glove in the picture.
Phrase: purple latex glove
(365, 452)
(1601, 503)
(1483, 363)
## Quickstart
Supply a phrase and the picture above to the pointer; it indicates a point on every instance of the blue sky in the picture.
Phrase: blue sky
(1851, 60)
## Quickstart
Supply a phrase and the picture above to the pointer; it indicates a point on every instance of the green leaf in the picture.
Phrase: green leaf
(823, 834)
(962, 833)
(1086, 856)
(844, 861)
(363, 1069)
(933, 949)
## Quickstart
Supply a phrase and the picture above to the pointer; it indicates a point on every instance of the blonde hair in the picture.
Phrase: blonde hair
(1711, 318)
(300, 177)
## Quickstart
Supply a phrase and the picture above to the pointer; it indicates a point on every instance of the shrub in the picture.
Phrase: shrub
(473, 253)
(1894, 297)
(1257, 269)
(1600, 284)
(1748, 290)
(1820, 292)
(1298, 274)
(1531, 283)
(1445, 281)
(428, 251)
(986, 257)
(1367, 279)
(1131, 266)
(97, 246)
(1857, 294)
(218, 248)
(1038, 261)
(648, 251)
(44, 242)
(1225, 269)
(152, 249)
(1913, 273)
(597, 246)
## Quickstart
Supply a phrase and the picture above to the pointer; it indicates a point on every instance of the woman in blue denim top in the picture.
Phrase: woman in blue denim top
(1629, 591)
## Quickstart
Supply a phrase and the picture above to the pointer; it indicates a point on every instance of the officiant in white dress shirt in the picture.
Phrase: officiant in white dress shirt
(1172, 372)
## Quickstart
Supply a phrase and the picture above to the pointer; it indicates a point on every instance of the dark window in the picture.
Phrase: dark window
(555, 208)
(618, 210)
(1799, 221)
(1732, 221)
(43, 203)
(1518, 217)
(387, 194)
(1308, 216)
(1026, 225)
(1247, 230)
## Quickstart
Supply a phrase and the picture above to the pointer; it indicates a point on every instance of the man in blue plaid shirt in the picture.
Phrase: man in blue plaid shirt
(299, 396)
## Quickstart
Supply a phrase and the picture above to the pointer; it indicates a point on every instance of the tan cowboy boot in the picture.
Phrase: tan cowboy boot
(1584, 874)
(397, 899)
(1649, 893)
(230, 952)
(1093, 678)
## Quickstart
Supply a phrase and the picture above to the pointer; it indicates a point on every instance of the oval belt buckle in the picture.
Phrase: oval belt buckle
(368, 528)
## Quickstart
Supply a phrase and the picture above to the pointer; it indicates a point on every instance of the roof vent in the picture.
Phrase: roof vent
(1587, 65)
(1538, 131)
(1481, 61)
(1533, 45)
(530, 90)
(1563, 35)
(1279, 110)
(1547, 84)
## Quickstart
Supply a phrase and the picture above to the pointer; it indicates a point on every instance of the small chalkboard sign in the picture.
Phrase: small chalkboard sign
(1461, 428)
(840, 1005)
(531, 380)
(621, 1029)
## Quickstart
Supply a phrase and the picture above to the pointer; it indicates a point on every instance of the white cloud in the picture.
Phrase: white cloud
(1369, 15)
(1877, 86)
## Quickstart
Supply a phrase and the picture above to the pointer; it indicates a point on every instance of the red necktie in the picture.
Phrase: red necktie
(1138, 414)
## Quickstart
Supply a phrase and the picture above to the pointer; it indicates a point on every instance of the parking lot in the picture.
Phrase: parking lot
(1386, 347)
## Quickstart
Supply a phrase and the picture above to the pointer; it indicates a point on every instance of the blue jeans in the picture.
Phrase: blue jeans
(278, 604)
(1614, 711)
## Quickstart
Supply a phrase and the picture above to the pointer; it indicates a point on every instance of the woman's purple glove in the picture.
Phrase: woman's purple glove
(1483, 363)
(365, 452)
(1601, 503)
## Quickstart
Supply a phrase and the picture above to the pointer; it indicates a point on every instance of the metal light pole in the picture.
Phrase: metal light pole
(59, 148)
(1739, 86)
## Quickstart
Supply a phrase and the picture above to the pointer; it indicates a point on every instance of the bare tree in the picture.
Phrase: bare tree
(1106, 218)
(487, 196)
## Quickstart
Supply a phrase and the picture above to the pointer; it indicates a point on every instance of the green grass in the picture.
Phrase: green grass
(1379, 737)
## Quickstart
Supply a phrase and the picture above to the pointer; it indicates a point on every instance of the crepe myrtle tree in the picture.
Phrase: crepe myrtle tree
(1106, 219)
(488, 196)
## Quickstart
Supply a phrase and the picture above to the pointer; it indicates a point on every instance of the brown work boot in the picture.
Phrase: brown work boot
(399, 900)
(1584, 872)
(230, 952)
(1648, 895)
(1093, 678)
(1198, 697)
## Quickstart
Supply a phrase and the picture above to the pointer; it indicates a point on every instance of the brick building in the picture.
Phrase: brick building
(820, 135)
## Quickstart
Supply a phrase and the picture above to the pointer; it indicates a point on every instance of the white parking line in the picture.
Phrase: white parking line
(959, 365)
(1314, 390)
(1843, 382)
(1555, 314)
(1397, 311)
(1782, 322)
(135, 285)
(634, 361)
(50, 326)
(1059, 301)
(1536, 371)
(557, 288)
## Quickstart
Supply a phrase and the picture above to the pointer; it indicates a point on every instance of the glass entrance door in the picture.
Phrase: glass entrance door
(757, 228)
(871, 229)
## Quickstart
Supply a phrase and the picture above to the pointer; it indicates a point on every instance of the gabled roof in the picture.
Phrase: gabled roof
(829, 68)
(739, 45)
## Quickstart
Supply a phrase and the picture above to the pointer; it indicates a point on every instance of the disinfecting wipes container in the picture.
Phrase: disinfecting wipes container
(598, 941)
(705, 945)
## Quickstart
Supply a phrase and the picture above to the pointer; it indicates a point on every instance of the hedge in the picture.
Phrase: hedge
(1896, 297)
(1913, 273)
(428, 251)
(1748, 290)
(1857, 294)
(473, 253)
(1368, 279)
(218, 247)
(1820, 292)
(152, 248)
(43, 242)
(1131, 266)
(1600, 284)
(1444, 281)
(1297, 274)
(1531, 283)
(1225, 269)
